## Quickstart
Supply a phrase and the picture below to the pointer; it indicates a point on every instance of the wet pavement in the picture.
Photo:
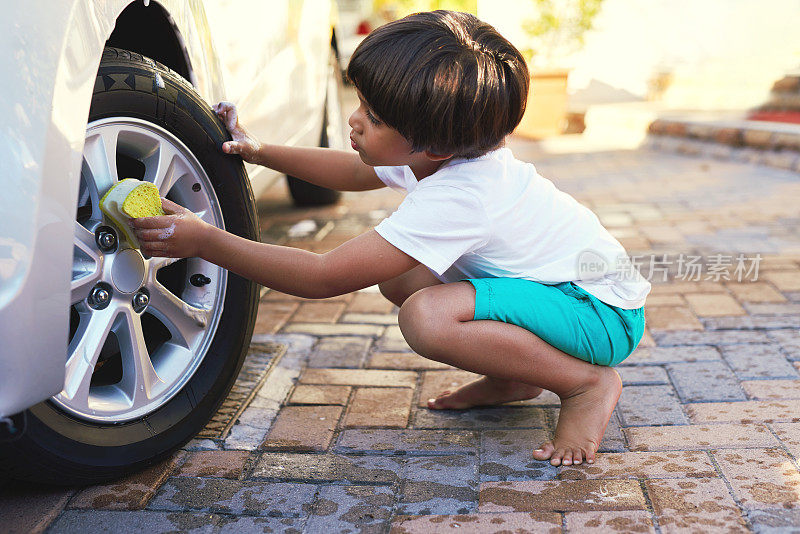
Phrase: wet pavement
(706, 436)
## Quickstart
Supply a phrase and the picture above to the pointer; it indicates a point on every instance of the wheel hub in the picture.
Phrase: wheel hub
(127, 272)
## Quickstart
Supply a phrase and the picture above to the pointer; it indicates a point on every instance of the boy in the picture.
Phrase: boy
(481, 254)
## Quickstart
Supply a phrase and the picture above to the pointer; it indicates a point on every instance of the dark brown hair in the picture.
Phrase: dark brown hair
(448, 82)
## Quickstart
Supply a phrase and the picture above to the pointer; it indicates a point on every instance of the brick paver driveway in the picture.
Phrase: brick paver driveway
(706, 436)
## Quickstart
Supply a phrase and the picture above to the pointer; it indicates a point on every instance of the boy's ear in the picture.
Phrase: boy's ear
(437, 157)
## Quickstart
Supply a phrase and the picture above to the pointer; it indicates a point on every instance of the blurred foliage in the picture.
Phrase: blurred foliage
(401, 8)
(559, 28)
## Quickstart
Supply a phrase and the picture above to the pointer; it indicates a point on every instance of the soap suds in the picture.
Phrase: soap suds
(167, 232)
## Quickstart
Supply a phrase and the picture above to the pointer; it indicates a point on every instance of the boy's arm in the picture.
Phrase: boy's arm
(334, 169)
(361, 262)
(326, 167)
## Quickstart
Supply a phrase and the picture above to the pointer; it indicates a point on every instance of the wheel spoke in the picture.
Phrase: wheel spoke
(159, 262)
(139, 378)
(100, 159)
(165, 169)
(184, 321)
(87, 274)
(83, 353)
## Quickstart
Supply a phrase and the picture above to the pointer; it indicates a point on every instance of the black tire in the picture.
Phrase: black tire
(302, 192)
(58, 448)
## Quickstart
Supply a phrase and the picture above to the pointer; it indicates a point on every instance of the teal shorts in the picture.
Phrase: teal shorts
(563, 315)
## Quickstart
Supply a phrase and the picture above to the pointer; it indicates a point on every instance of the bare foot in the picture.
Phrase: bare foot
(582, 421)
(484, 391)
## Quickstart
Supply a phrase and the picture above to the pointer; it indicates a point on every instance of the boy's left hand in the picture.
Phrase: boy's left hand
(178, 234)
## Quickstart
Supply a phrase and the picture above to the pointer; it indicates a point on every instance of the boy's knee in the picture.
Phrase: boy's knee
(418, 319)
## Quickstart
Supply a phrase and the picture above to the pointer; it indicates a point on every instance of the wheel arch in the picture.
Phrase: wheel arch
(163, 41)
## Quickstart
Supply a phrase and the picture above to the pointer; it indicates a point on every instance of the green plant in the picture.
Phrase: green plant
(558, 29)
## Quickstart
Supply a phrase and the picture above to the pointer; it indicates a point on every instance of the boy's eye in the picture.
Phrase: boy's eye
(372, 118)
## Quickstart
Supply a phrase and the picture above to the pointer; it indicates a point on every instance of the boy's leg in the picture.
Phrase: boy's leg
(397, 290)
(437, 323)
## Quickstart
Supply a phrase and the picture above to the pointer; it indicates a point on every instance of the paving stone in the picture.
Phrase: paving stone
(686, 286)
(478, 418)
(369, 303)
(351, 509)
(698, 505)
(407, 441)
(539, 522)
(604, 522)
(272, 316)
(641, 376)
(336, 329)
(746, 411)
(308, 394)
(403, 360)
(705, 381)
(789, 434)
(671, 318)
(662, 355)
(714, 304)
(318, 312)
(752, 322)
(775, 521)
(665, 300)
(439, 485)
(696, 437)
(340, 351)
(328, 468)
(772, 389)
(380, 407)
(761, 478)
(128, 493)
(226, 464)
(370, 318)
(507, 455)
(790, 308)
(788, 280)
(665, 339)
(669, 464)
(359, 377)
(647, 339)
(650, 405)
(789, 341)
(758, 361)
(392, 340)
(303, 428)
(221, 495)
(96, 522)
(30, 508)
(436, 382)
(260, 525)
(573, 495)
(755, 292)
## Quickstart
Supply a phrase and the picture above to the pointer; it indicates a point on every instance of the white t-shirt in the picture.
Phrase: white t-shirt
(495, 216)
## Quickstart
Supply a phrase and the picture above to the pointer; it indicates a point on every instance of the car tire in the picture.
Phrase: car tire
(302, 192)
(62, 445)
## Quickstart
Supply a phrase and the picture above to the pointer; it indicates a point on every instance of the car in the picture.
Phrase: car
(111, 360)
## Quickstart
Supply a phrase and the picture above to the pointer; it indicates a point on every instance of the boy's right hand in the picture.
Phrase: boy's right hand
(243, 143)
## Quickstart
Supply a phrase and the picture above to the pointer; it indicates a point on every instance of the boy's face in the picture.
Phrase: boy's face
(377, 143)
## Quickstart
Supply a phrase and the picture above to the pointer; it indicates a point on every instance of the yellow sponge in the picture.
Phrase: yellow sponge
(131, 198)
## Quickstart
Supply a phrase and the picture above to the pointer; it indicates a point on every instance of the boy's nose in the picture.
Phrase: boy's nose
(354, 122)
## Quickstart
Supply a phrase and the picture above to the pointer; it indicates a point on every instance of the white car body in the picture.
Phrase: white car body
(270, 58)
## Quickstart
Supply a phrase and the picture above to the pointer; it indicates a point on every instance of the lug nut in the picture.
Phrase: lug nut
(106, 239)
(141, 300)
(99, 297)
(199, 280)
